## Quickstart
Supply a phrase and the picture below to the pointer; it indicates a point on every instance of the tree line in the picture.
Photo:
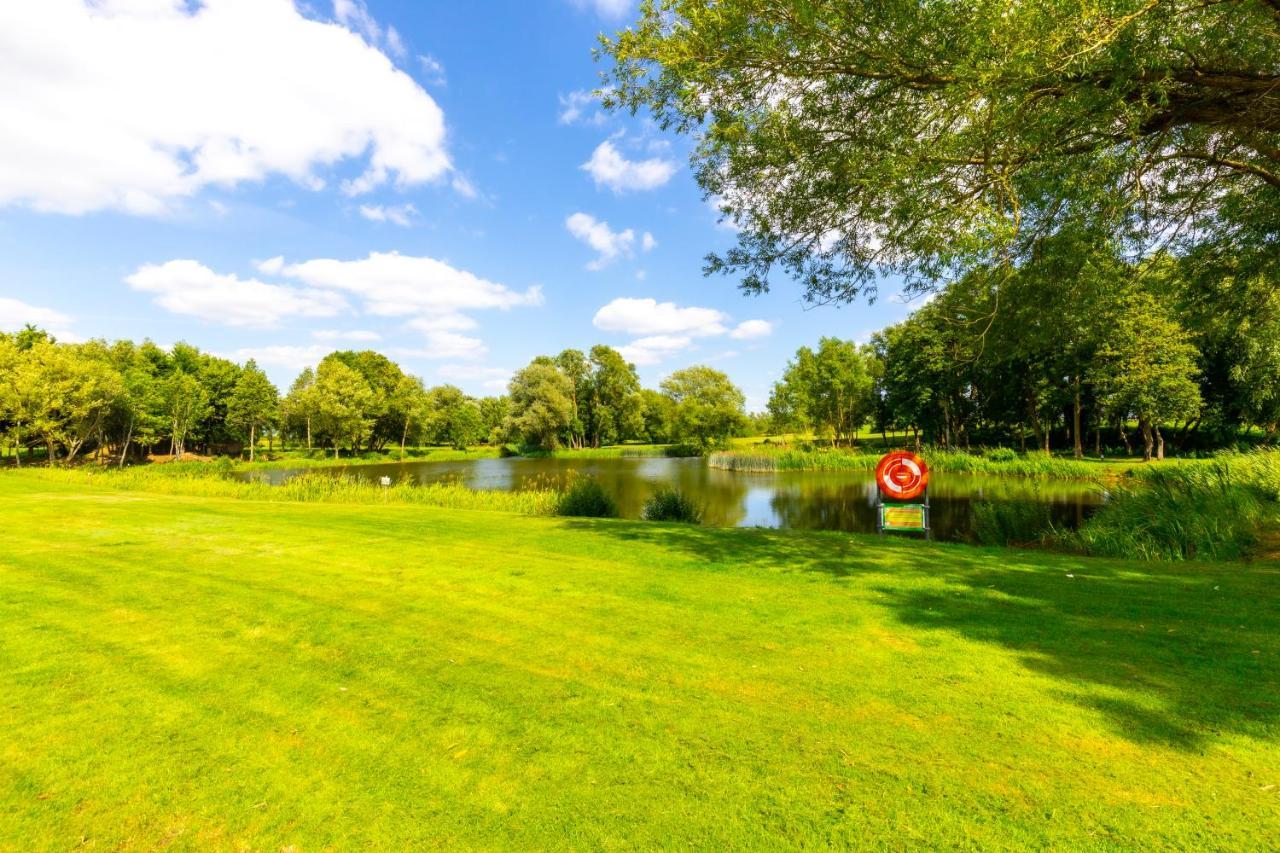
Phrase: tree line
(123, 401)
(1081, 347)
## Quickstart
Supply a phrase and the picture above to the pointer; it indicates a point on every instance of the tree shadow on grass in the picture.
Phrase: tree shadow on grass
(1170, 654)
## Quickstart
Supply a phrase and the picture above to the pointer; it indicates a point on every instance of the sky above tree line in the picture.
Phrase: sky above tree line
(432, 180)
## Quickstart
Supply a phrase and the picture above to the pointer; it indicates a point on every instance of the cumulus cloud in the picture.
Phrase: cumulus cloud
(391, 284)
(748, 329)
(191, 288)
(446, 345)
(666, 329)
(582, 106)
(490, 378)
(606, 8)
(354, 335)
(136, 104)
(608, 168)
(290, 357)
(433, 69)
(15, 315)
(608, 244)
(401, 215)
(650, 317)
(654, 349)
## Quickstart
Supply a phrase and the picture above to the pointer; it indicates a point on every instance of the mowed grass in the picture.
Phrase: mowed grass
(205, 673)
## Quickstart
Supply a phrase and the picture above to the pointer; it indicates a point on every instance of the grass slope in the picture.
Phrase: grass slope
(221, 673)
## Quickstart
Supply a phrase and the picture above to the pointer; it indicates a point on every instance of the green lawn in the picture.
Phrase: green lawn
(220, 673)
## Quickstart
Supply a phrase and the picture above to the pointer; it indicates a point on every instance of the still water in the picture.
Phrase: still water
(801, 499)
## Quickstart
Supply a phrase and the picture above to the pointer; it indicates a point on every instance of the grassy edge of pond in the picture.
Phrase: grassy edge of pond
(306, 675)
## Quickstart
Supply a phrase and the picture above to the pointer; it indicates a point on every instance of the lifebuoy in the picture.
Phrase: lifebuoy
(902, 475)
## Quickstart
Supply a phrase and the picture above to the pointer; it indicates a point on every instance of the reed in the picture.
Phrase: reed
(784, 458)
(202, 480)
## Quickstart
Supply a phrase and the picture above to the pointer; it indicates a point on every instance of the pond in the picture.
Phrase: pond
(840, 500)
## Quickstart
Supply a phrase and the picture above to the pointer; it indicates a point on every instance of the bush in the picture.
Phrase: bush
(671, 505)
(682, 450)
(586, 498)
(1006, 523)
(1000, 454)
(1206, 510)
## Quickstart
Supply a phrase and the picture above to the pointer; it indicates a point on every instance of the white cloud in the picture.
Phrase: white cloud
(354, 335)
(432, 69)
(443, 323)
(446, 345)
(15, 315)
(401, 215)
(650, 317)
(606, 8)
(191, 288)
(609, 244)
(609, 168)
(582, 107)
(654, 349)
(748, 329)
(491, 378)
(667, 329)
(271, 266)
(392, 284)
(291, 357)
(137, 104)
(597, 234)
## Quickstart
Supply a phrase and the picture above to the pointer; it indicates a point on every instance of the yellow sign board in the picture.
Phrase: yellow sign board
(902, 517)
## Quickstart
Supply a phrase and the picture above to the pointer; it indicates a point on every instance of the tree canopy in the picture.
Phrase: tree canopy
(866, 137)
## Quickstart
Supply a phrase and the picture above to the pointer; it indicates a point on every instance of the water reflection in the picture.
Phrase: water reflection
(801, 500)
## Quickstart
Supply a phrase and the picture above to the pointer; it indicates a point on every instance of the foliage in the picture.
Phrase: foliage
(831, 391)
(708, 407)
(542, 404)
(586, 498)
(846, 140)
(1006, 523)
(671, 505)
(785, 458)
(254, 404)
(1213, 510)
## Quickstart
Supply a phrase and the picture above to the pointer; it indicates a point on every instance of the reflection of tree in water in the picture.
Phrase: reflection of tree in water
(848, 507)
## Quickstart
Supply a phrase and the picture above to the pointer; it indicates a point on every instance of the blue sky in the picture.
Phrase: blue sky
(428, 179)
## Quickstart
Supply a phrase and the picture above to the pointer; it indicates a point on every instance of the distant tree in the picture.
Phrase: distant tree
(615, 398)
(254, 404)
(493, 417)
(832, 389)
(185, 403)
(345, 405)
(138, 416)
(301, 406)
(453, 418)
(1146, 368)
(573, 364)
(409, 405)
(541, 404)
(708, 406)
(658, 414)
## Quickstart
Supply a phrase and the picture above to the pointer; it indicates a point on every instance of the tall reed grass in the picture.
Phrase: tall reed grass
(782, 458)
(202, 480)
(1219, 509)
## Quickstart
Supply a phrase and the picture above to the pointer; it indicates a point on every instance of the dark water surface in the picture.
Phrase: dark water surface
(805, 500)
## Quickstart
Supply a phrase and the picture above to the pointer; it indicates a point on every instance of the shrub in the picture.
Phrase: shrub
(586, 498)
(1213, 510)
(682, 450)
(671, 505)
(1006, 523)
(1000, 454)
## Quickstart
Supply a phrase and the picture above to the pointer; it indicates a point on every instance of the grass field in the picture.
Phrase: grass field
(203, 673)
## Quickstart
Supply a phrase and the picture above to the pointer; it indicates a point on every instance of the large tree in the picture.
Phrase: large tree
(254, 404)
(861, 137)
(708, 406)
(541, 404)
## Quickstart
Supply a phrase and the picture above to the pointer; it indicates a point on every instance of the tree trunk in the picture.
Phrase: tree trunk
(1097, 441)
(128, 437)
(1159, 444)
(1076, 435)
(1148, 440)
(335, 448)
(17, 446)
(404, 434)
(308, 433)
(52, 452)
(1124, 436)
(253, 438)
